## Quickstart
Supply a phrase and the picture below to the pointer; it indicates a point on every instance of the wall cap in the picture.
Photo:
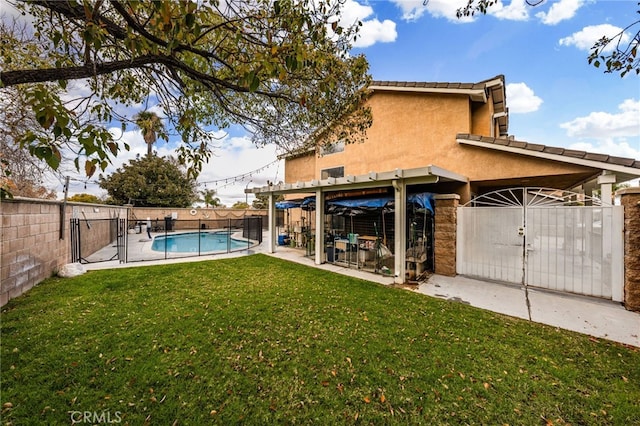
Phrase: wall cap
(628, 191)
(446, 197)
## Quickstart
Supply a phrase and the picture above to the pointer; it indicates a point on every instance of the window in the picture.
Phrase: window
(332, 148)
(334, 172)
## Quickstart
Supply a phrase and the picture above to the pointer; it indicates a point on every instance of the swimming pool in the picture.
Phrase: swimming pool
(197, 242)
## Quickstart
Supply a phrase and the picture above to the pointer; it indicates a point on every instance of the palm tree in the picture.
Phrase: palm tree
(209, 198)
(151, 127)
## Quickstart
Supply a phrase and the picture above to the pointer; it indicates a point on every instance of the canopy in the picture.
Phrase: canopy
(422, 200)
(287, 204)
(357, 206)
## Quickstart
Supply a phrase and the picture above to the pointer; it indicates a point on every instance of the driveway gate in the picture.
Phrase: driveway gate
(544, 238)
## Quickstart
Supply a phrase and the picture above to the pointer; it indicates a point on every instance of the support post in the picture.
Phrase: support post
(400, 222)
(319, 256)
(272, 238)
(606, 181)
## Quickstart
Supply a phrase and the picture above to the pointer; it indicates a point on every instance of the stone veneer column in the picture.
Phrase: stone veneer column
(445, 234)
(630, 200)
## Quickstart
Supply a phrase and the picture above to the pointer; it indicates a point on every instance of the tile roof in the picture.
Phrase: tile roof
(428, 85)
(571, 153)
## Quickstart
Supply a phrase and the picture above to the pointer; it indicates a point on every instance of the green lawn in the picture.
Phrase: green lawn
(257, 340)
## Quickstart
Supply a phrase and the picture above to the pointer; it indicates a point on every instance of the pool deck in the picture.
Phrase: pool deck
(139, 250)
(594, 317)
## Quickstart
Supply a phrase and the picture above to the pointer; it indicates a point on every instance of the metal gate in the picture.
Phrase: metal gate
(544, 238)
(98, 240)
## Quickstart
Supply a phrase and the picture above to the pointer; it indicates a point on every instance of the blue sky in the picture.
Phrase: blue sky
(555, 97)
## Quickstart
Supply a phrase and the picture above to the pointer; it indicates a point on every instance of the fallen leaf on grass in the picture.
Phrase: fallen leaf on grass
(367, 399)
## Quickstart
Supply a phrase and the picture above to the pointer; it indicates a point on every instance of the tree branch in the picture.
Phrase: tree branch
(12, 78)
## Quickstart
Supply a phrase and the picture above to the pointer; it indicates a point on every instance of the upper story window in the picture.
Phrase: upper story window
(332, 148)
(334, 172)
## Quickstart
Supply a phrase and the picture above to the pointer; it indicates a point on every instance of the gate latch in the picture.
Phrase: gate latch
(521, 231)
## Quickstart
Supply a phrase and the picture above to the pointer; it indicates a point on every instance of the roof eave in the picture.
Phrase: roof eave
(626, 172)
(476, 95)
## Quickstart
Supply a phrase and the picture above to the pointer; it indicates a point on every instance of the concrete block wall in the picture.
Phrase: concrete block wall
(31, 247)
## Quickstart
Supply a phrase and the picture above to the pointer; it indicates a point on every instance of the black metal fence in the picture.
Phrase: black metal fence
(168, 238)
(99, 240)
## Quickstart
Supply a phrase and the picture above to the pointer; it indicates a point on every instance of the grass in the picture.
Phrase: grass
(258, 340)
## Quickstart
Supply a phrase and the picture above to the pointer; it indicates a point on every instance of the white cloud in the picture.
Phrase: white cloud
(412, 10)
(588, 36)
(560, 11)
(522, 99)
(604, 125)
(517, 10)
(373, 30)
(609, 146)
(230, 165)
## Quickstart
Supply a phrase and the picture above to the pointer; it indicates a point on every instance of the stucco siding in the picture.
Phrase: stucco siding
(300, 168)
(414, 130)
(408, 130)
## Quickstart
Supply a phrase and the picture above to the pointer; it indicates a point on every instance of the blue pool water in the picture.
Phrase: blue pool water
(188, 242)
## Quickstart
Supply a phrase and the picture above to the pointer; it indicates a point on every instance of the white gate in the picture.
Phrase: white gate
(543, 238)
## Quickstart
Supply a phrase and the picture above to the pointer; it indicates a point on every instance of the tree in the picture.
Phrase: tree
(150, 182)
(262, 201)
(85, 198)
(209, 198)
(21, 174)
(151, 127)
(240, 205)
(280, 68)
(623, 57)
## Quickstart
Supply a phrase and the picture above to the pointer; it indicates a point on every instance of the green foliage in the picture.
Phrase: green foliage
(151, 127)
(273, 67)
(240, 205)
(150, 182)
(623, 57)
(262, 201)
(85, 198)
(209, 198)
(258, 340)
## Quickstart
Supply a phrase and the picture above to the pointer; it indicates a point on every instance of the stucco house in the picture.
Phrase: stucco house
(449, 145)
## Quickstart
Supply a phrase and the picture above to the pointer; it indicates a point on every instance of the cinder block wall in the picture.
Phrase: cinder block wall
(159, 213)
(32, 249)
